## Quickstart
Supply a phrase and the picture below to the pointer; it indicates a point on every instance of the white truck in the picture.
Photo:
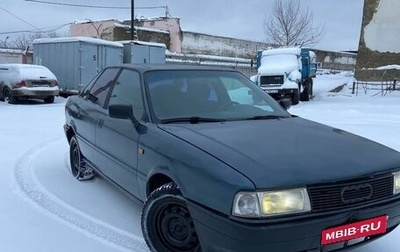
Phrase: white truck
(286, 73)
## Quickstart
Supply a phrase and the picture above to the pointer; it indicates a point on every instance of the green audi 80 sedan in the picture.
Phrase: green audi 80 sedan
(221, 166)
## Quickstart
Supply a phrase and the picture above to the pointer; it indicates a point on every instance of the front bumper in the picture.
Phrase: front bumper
(222, 234)
(280, 93)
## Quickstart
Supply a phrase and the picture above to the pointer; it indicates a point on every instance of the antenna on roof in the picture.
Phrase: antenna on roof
(167, 14)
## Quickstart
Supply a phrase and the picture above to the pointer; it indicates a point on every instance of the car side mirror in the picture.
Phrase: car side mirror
(285, 103)
(121, 111)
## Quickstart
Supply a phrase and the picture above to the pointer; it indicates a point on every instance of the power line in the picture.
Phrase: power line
(42, 30)
(95, 6)
(9, 12)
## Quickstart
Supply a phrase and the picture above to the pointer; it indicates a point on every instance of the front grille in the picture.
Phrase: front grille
(274, 80)
(350, 193)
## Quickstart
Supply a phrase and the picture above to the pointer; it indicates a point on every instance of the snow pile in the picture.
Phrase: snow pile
(325, 84)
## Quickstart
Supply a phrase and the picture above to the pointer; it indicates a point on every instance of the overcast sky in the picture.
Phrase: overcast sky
(231, 18)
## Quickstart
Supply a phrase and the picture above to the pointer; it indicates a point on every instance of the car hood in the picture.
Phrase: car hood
(277, 69)
(288, 152)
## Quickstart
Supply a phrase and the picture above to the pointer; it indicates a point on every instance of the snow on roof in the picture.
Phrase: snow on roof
(151, 29)
(29, 71)
(95, 21)
(388, 67)
(291, 50)
(143, 18)
(138, 42)
(4, 50)
(77, 39)
(119, 25)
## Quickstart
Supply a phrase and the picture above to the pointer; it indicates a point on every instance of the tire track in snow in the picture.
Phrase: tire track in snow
(45, 200)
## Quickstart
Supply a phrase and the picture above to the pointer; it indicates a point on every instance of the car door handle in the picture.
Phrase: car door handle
(100, 122)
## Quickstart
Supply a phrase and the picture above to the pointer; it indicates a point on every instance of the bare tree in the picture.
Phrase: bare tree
(291, 25)
(24, 42)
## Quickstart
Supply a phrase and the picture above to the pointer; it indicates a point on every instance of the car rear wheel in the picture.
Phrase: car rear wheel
(49, 99)
(9, 97)
(79, 168)
(166, 222)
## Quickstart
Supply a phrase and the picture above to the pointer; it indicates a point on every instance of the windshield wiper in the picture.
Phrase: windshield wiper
(193, 120)
(265, 117)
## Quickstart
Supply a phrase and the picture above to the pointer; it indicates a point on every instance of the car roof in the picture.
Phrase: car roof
(163, 67)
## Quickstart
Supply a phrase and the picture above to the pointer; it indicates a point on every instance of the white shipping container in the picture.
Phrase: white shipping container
(76, 60)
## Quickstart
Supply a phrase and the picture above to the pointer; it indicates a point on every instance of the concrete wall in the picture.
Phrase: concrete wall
(336, 60)
(379, 41)
(171, 25)
(193, 42)
(93, 29)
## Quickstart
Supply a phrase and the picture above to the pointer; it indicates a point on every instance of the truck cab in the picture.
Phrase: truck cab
(286, 73)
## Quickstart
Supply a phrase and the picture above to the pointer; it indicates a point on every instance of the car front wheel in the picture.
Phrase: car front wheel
(166, 222)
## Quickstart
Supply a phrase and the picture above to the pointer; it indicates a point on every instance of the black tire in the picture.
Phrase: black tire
(75, 157)
(166, 222)
(307, 93)
(295, 98)
(77, 162)
(49, 99)
(9, 97)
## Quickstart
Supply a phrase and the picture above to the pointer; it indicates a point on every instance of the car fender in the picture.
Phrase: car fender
(201, 177)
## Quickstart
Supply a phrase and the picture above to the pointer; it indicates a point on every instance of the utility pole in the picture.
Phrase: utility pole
(132, 19)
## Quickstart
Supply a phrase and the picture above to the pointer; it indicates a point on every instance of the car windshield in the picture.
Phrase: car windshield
(277, 60)
(207, 96)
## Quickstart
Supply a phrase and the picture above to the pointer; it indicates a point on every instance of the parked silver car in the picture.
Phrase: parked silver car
(25, 81)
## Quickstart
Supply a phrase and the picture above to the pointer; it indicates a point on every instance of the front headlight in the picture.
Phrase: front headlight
(269, 203)
(396, 184)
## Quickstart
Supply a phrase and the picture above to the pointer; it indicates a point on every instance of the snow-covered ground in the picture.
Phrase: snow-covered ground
(44, 209)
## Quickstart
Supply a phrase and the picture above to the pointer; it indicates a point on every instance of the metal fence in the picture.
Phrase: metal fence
(246, 66)
(387, 83)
